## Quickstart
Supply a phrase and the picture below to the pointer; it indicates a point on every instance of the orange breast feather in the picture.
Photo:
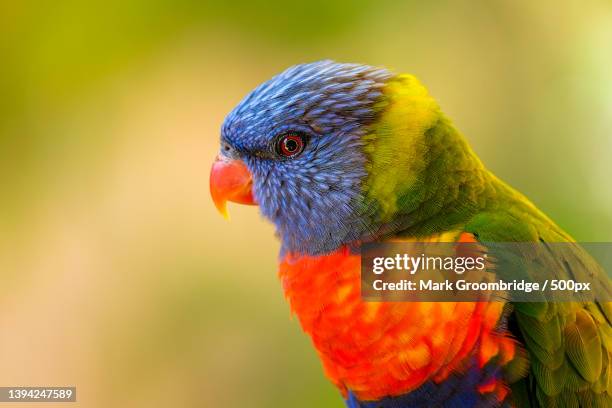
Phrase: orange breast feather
(379, 349)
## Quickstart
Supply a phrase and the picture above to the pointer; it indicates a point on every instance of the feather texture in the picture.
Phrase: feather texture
(384, 163)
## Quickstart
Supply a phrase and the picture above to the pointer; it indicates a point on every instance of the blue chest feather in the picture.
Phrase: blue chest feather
(455, 392)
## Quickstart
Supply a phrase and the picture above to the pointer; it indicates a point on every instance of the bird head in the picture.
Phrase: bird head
(309, 147)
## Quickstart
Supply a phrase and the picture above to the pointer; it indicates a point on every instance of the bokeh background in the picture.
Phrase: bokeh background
(117, 275)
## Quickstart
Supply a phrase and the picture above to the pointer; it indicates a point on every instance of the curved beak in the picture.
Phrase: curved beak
(230, 180)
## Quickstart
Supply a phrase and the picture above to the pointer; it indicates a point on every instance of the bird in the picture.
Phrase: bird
(338, 155)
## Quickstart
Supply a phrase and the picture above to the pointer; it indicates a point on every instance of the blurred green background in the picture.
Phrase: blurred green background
(117, 274)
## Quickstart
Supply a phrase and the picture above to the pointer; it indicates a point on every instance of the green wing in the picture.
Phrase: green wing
(437, 184)
(568, 345)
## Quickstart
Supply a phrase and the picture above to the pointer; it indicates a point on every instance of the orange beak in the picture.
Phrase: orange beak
(230, 180)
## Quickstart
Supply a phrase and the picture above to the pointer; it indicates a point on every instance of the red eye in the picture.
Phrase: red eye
(290, 145)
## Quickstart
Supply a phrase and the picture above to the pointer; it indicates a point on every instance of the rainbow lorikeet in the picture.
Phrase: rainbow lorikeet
(336, 155)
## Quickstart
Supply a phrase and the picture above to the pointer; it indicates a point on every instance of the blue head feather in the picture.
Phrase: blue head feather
(314, 199)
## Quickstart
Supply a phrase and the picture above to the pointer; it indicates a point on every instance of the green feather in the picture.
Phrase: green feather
(546, 333)
(551, 380)
(584, 346)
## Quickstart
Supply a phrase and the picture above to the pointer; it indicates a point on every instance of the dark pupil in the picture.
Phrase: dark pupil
(291, 145)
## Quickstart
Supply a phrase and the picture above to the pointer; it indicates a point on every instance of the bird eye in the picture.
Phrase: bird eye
(290, 145)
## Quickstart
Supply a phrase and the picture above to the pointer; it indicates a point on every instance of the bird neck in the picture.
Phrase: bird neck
(433, 183)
